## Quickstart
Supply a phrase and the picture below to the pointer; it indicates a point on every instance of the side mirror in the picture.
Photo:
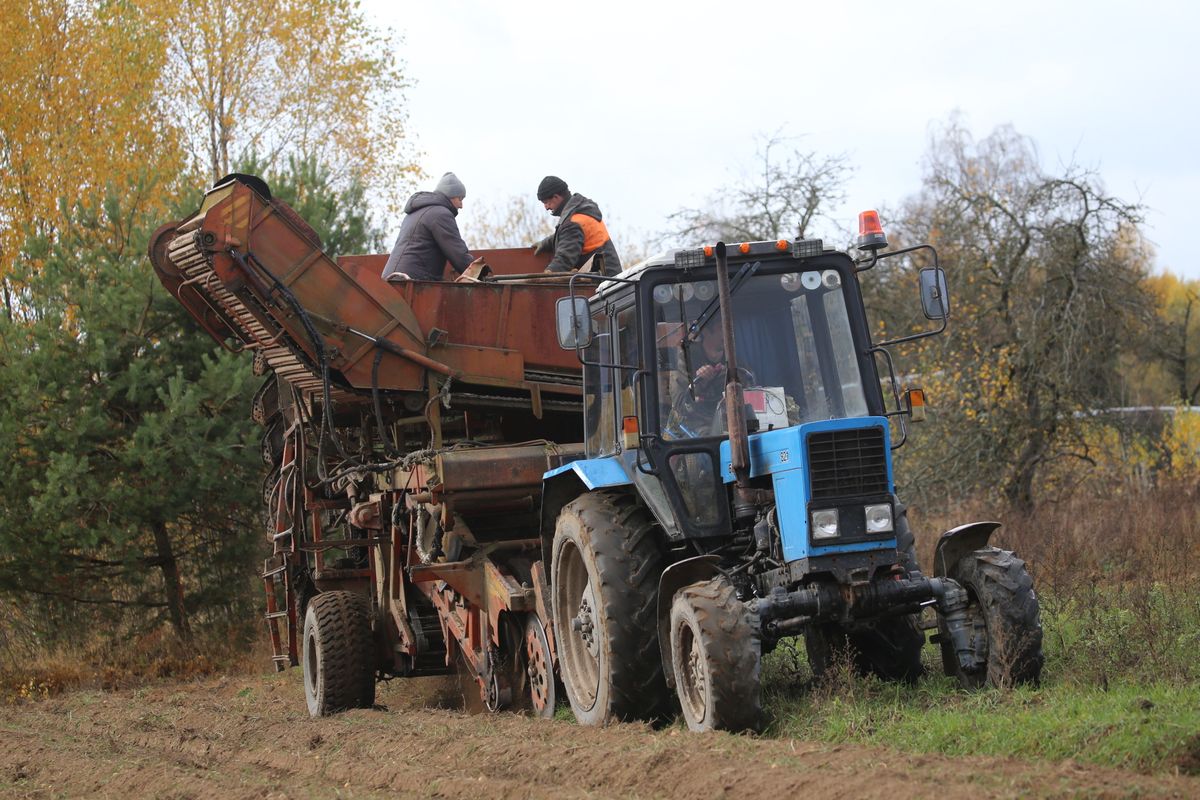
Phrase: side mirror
(573, 322)
(935, 301)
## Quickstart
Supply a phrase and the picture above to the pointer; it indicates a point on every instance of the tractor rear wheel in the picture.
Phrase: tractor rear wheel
(716, 656)
(887, 648)
(339, 665)
(606, 562)
(1003, 621)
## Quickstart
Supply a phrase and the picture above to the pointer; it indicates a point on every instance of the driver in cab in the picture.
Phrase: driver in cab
(697, 384)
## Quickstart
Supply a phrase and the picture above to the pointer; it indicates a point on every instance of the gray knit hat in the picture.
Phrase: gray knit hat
(451, 186)
(550, 186)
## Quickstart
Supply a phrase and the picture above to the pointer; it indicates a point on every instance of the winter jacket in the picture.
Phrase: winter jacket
(428, 239)
(580, 234)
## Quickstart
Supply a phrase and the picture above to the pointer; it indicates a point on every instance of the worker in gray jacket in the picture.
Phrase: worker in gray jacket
(429, 235)
(581, 233)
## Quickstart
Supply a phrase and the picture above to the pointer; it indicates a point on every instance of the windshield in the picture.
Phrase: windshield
(795, 352)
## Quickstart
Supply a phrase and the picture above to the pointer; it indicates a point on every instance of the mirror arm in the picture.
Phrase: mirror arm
(914, 337)
(899, 412)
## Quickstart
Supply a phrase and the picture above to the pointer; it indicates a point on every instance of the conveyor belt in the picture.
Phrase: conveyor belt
(273, 344)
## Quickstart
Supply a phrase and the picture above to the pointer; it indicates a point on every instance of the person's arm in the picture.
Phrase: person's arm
(445, 233)
(543, 245)
(568, 246)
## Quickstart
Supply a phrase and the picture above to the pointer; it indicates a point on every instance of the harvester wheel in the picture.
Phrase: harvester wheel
(716, 656)
(1003, 620)
(606, 562)
(539, 669)
(339, 664)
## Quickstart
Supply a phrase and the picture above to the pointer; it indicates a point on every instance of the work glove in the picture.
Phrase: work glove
(540, 247)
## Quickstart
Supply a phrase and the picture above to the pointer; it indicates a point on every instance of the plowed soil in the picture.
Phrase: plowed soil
(250, 737)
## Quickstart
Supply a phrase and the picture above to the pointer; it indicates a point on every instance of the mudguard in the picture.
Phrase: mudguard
(958, 542)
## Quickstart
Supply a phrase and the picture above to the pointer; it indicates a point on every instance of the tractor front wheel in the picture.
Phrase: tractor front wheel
(1003, 621)
(715, 657)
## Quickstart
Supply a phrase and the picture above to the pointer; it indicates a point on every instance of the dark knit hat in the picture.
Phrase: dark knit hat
(550, 186)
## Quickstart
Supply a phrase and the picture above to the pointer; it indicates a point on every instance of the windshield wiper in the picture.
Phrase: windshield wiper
(702, 318)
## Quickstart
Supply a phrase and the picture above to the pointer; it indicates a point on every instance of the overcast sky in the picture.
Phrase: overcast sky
(647, 107)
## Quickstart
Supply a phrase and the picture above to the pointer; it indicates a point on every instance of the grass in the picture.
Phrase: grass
(1118, 579)
(1149, 727)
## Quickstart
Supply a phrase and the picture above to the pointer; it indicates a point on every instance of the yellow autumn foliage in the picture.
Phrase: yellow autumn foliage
(80, 89)
(109, 93)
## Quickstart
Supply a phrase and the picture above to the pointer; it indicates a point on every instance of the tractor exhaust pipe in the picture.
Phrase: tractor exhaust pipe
(735, 405)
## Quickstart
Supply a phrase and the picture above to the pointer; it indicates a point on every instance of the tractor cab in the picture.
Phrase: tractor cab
(812, 411)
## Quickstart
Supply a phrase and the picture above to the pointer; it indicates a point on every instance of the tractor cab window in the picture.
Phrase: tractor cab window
(795, 351)
(599, 415)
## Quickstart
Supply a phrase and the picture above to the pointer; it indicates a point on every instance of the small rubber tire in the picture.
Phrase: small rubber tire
(1003, 608)
(716, 657)
(338, 653)
(605, 564)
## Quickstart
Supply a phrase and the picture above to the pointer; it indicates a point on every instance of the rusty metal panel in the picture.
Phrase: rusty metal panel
(498, 468)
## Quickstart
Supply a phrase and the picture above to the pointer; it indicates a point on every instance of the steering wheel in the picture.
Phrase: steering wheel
(679, 407)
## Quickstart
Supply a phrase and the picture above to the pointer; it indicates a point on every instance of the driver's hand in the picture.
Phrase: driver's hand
(709, 371)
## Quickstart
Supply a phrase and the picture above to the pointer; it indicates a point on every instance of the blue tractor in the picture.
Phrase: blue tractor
(737, 489)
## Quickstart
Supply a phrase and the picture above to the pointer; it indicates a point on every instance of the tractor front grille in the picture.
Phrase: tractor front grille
(847, 463)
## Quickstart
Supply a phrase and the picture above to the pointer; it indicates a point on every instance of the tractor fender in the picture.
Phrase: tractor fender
(674, 578)
(562, 485)
(556, 493)
(958, 542)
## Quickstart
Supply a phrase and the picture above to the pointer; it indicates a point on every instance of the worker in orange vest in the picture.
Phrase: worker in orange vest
(581, 241)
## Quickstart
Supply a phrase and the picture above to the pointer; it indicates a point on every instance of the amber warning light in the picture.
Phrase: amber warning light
(870, 232)
(916, 404)
(629, 433)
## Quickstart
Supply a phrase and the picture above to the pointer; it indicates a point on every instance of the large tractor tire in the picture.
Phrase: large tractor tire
(606, 562)
(339, 653)
(888, 648)
(1003, 621)
(716, 656)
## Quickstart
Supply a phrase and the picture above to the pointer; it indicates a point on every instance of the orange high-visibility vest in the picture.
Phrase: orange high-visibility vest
(595, 235)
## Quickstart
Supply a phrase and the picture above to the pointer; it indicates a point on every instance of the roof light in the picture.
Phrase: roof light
(782, 244)
(870, 232)
(708, 251)
(744, 247)
(686, 259)
(807, 248)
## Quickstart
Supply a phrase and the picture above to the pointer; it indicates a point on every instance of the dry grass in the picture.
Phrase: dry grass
(32, 670)
(1117, 577)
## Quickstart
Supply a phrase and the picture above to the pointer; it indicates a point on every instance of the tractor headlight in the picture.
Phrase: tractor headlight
(879, 518)
(825, 523)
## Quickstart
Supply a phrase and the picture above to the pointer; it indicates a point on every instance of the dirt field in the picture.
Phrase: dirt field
(250, 737)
